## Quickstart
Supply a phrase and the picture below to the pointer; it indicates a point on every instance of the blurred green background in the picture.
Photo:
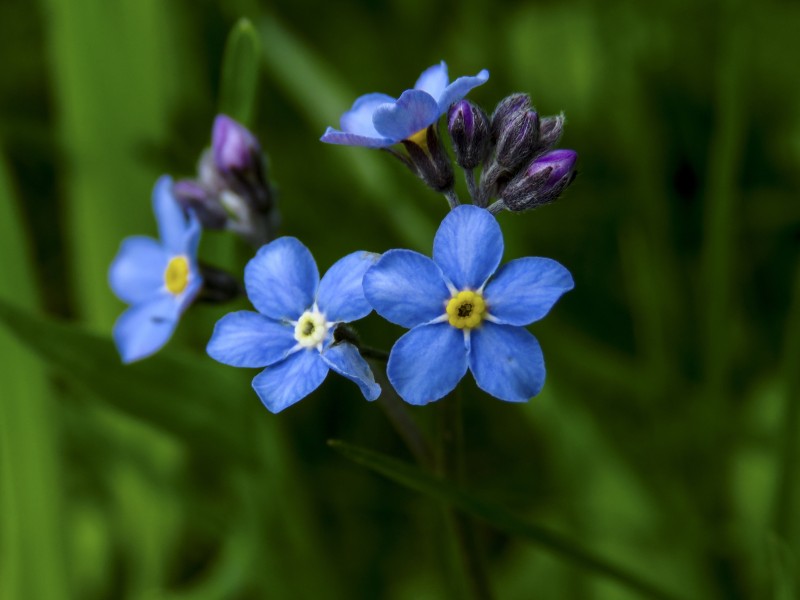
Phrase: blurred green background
(666, 438)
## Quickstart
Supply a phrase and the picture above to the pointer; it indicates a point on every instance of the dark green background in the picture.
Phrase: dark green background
(666, 437)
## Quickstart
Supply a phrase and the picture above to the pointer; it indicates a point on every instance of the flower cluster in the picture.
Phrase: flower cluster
(231, 190)
(515, 148)
(463, 311)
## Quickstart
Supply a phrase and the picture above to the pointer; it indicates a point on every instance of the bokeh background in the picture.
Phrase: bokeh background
(666, 438)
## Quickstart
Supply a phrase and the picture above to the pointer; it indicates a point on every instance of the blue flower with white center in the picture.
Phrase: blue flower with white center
(291, 335)
(158, 279)
(459, 317)
(378, 120)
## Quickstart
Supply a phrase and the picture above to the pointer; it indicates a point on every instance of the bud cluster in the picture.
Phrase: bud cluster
(232, 190)
(515, 148)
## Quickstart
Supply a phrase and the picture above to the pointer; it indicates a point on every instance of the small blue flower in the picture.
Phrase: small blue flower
(378, 120)
(158, 279)
(292, 332)
(459, 318)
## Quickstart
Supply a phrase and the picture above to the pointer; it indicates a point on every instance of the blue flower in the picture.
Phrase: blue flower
(378, 120)
(158, 279)
(459, 317)
(292, 332)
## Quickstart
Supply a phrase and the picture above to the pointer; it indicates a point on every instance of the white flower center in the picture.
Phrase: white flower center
(311, 329)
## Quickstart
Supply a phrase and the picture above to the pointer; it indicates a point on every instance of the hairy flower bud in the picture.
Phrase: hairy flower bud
(506, 111)
(239, 160)
(517, 140)
(468, 126)
(550, 130)
(541, 182)
(193, 195)
(431, 162)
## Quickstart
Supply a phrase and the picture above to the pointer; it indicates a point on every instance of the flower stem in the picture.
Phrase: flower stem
(452, 467)
(452, 198)
(472, 186)
(374, 353)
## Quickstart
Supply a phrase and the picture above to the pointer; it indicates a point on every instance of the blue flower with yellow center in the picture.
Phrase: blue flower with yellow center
(158, 279)
(291, 335)
(462, 314)
(379, 121)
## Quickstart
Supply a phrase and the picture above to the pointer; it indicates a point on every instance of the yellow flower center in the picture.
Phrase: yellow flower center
(420, 138)
(176, 275)
(311, 329)
(466, 309)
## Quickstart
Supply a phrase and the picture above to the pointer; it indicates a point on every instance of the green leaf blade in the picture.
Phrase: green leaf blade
(496, 516)
(240, 68)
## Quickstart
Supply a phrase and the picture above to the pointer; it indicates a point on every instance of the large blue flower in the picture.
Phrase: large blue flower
(291, 335)
(378, 120)
(158, 279)
(459, 317)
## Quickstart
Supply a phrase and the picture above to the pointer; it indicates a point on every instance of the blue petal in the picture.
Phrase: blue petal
(137, 272)
(406, 288)
(460, 88)
(331, 136)
(284, 383)
(506, 361)
(191, 235)
(433, 80)
(143, 329)
(413, 111)
(346, 361)
(427, 362)
(172, 224)
(341, 293)
(248, 339)
(193, 287)
(282, 279)
(524, 290)
(468, 246)
(358, 119)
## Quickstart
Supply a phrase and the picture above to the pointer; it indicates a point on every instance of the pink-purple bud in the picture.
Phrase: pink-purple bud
(235, 149)
(468, 126)
(541, 182)
(550, 130)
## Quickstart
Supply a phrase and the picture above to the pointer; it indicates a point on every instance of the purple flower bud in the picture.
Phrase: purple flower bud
(541, 182)
(550, 130)
(517, 140)
(507, 110)
(191, 195)
(235, 149)
(469, 130)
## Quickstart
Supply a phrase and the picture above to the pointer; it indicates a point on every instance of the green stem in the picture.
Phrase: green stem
(452, 468)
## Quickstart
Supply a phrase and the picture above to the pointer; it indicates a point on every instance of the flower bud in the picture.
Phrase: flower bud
(235, 148)
(431, 162)
(517, 140)
(550, 130)
(218, 285)
(541, 182)
(507, 110)
(192, 195)
(469, 130)
(239, 160)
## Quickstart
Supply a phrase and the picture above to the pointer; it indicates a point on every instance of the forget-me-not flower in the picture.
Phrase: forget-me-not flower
(291, 335)
(459, 317)
(379, 121)
(158, 279)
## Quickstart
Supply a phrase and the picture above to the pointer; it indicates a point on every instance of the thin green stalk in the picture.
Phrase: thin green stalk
(452, 468)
